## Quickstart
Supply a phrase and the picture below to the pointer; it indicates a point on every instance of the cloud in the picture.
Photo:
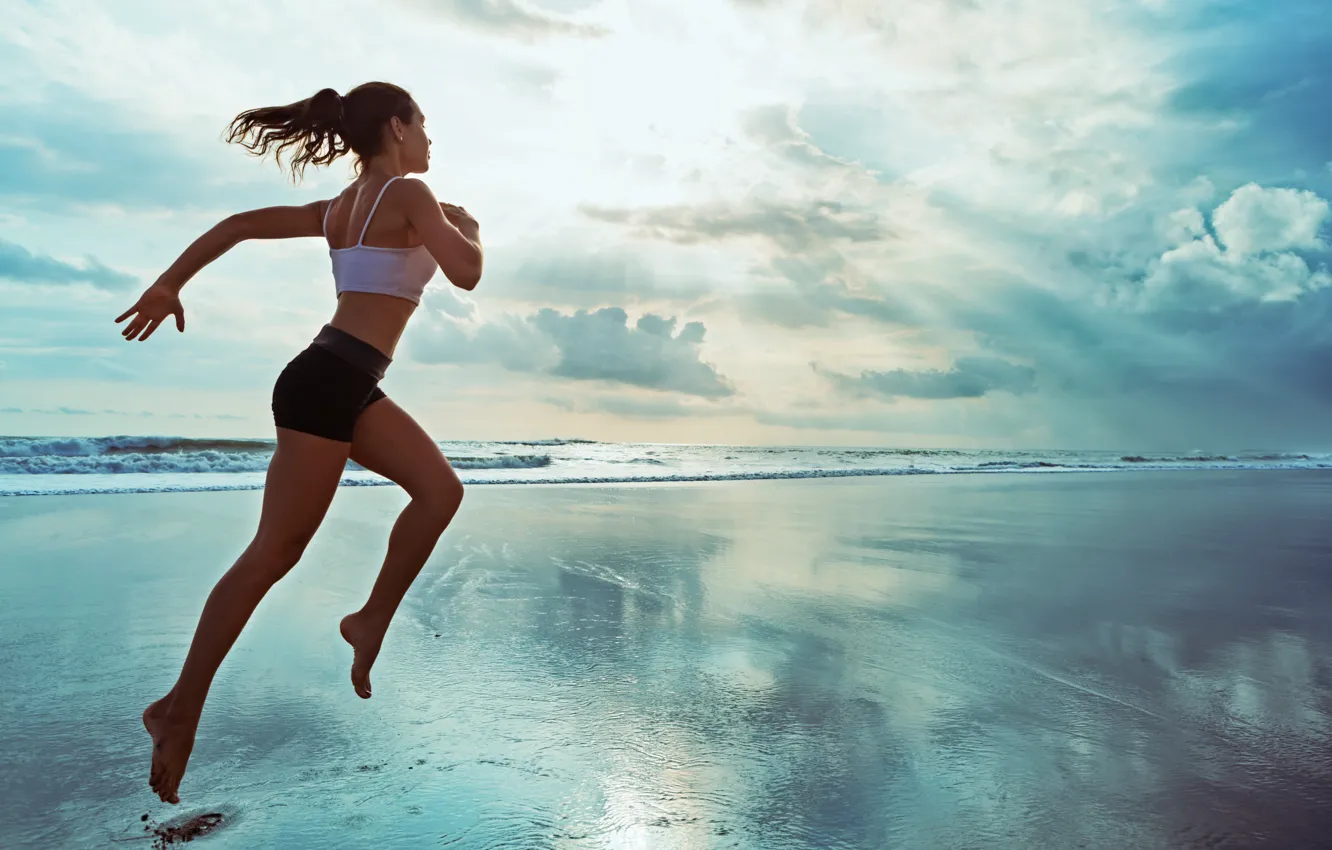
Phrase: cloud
(509, 18)
(921, 428)
(1064, 119)
(791, 225)
(775, 127)
(65, 151)
(970, 377)
(1262, 72)
(510, 340)
(804, 236)
(582, 346)
(19, 264)
(602, 346)
(77, 411)
(1200, 275)
(1248, 374)
(1251, 258)
(1254, 219)
(820, 304)
(637, 408)
(574, 274)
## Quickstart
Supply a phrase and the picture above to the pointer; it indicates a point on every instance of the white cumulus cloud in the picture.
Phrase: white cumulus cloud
(1252, 257)
(1254, 219)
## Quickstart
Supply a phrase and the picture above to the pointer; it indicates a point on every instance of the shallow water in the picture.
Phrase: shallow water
(1099, 661)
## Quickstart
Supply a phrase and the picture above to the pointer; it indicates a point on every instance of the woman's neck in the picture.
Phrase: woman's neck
(385, 165)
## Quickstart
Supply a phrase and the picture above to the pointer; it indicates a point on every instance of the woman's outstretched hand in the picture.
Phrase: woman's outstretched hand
(154, 305)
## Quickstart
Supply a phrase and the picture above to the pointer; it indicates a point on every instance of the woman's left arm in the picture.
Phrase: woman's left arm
(162, 299)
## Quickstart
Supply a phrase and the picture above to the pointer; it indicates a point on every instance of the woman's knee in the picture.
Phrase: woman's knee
(272, 556)
(443, 499)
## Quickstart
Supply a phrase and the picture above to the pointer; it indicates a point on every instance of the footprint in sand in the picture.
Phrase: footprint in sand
(181, 830)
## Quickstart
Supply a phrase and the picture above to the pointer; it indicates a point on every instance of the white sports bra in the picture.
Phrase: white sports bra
(400, 272)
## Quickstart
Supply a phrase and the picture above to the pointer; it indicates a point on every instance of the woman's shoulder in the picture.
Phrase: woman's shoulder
(413, 187)
(344, 194)
(410, 193)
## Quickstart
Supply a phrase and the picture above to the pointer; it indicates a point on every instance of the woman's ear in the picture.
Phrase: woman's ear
(395, 125)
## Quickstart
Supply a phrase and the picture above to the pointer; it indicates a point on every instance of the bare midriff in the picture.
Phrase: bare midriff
(376, 319)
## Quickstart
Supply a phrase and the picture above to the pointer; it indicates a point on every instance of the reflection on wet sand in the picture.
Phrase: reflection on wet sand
(993, 661)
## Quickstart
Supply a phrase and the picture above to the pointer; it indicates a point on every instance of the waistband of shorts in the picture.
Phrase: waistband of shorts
(357, 352)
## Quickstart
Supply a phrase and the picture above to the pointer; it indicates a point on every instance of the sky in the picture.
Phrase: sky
(944, 223)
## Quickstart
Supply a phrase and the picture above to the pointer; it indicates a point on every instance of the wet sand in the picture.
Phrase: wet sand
(1123, 660)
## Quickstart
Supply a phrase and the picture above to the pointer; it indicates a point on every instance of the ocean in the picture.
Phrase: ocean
(145, 464)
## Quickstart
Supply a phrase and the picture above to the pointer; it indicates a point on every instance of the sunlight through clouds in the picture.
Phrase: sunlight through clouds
(830, 187)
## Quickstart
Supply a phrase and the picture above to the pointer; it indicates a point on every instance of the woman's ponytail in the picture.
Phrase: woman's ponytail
(314, 127)
(323, 127)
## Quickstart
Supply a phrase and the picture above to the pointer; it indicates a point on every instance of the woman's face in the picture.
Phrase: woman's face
(415, 143)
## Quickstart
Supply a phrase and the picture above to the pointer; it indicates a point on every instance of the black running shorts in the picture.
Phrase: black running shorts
(323, 390)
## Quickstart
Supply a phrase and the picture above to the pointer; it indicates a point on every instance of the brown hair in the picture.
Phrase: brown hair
(324, 126)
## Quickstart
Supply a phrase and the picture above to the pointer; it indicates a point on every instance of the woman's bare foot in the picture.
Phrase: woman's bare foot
(365, 637)
(173, 739)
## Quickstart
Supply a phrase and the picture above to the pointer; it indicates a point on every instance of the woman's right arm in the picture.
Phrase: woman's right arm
(162, 299)
(456, 248)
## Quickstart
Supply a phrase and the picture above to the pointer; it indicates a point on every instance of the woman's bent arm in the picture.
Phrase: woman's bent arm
(458, 254)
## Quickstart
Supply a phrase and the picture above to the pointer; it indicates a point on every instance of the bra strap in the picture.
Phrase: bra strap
(327, 208)
(380, 197)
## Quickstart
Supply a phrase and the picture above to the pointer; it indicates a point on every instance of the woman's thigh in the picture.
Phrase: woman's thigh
(302, 479)
(389, 442)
